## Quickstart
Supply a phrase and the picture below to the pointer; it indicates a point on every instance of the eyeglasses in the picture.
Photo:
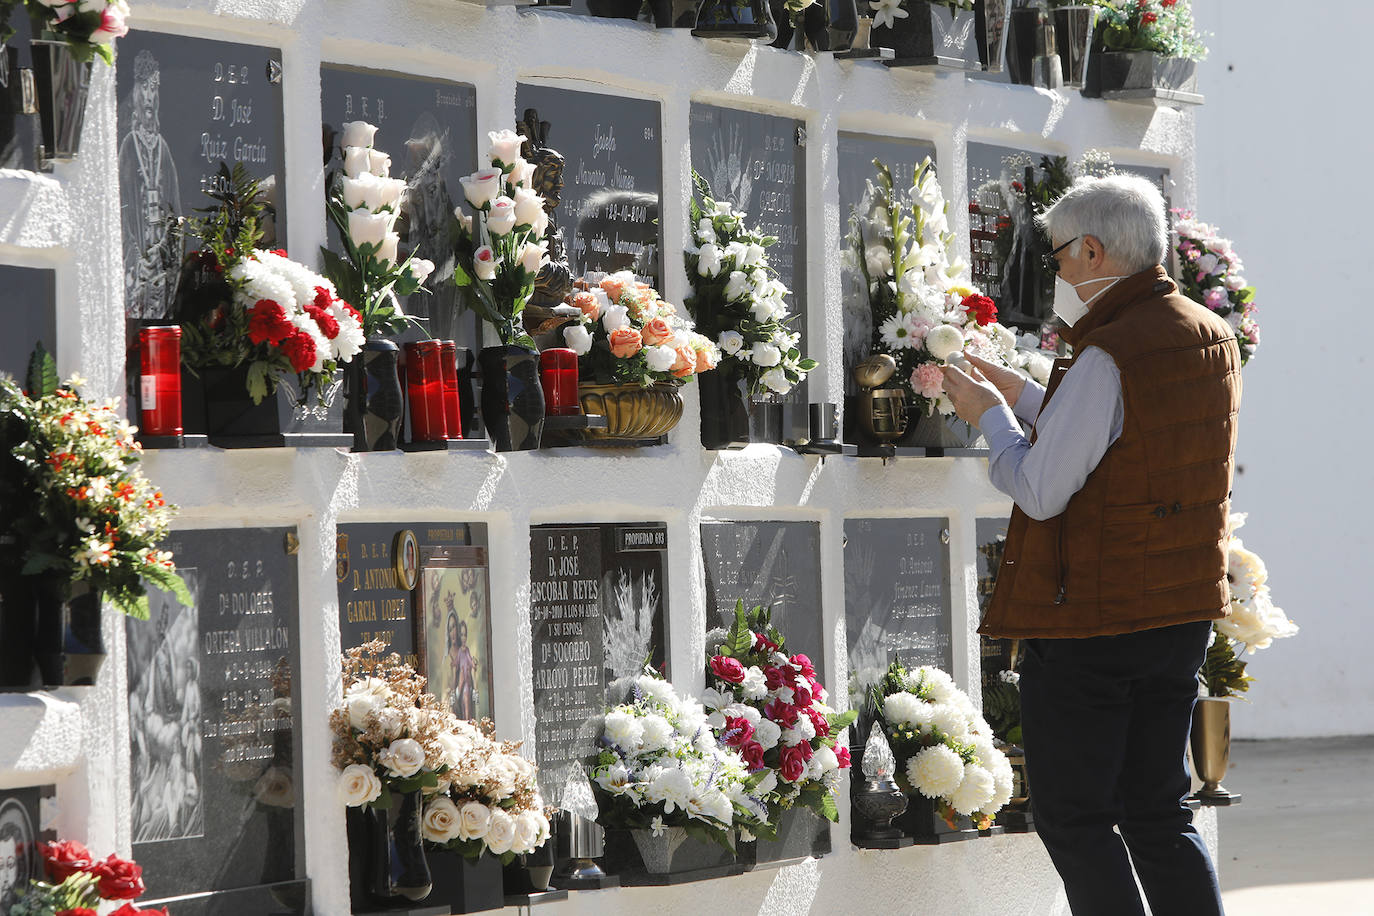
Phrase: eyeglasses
(1050, 262)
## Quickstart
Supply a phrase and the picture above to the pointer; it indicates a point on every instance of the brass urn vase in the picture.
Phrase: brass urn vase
(631, 412)
(1211, 746)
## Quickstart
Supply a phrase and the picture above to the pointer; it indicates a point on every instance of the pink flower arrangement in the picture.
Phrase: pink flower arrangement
(771, 707)
(1210, 273)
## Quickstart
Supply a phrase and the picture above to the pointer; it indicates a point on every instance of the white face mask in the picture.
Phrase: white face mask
(1068, 305)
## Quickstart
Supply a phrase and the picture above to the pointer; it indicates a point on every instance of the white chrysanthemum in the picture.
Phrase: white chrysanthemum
(657, 689)
(949, 719)
(943, 340)
(767, 733)
(904, 709)
(257, 281)
(935, 771)
(932, 683)
(624, 730)
(350, 339)
(975, 791)
(656, 733)
(673, 787)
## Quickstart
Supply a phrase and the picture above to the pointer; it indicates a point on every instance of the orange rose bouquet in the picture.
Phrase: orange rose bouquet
(628, 335)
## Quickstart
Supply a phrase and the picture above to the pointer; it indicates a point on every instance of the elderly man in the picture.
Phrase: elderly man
(1115, 560)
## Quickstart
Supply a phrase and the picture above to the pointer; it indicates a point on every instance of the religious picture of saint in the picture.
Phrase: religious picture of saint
(164, 719)
(150, 201)
(20, 861)
(456, 641)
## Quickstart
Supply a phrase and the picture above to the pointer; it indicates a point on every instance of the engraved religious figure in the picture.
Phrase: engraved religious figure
(426, 210)
(554, 282)
(151, 202)
(165, 720)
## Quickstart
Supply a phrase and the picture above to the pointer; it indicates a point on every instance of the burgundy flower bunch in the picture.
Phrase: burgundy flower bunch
(77, 883)
(771, 707)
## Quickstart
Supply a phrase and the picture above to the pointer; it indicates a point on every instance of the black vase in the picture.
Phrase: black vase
(17, 624)
(746, 19)
(233, 420)
(809, 30)
(387, 863)
(842, 24)
(372, 383)
(614, 9)
(52, 624)
(512, 398)
(674, 14)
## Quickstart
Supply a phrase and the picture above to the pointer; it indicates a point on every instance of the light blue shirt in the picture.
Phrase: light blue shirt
(1077, 427)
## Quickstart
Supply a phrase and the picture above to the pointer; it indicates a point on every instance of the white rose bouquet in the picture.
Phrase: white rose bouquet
(498, 250)
(772, 708)
(944, 748)
(1254, 623)
(924, 305)
(661, 765)
(628, 335)
(364, 202)
(392, 737)
(738, 300)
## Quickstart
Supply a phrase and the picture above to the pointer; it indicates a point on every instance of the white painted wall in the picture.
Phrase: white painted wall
(70, 220)
(1283, 169)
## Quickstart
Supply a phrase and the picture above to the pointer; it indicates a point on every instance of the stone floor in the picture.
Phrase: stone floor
(1302, 843)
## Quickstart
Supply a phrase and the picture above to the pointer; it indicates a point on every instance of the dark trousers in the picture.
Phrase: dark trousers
(1106, 722)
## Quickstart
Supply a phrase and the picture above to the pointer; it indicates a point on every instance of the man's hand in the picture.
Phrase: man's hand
(1009, 383)
(973, 395)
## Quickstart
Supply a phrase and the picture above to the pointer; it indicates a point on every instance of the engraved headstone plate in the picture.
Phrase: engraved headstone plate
(213, 701)
(597, 613)
(896, 597)
(25, 815)
(186, 106)
(773, 564)
(374, 602)
(996, 234)
(612, 179)
(429, 129)
(28, 300)
(19, 132)
(758, 163)
(856, 154)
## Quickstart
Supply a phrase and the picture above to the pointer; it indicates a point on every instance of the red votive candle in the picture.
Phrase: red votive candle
(425, 391)
(453, 406)
(558, 375)
(159, 364)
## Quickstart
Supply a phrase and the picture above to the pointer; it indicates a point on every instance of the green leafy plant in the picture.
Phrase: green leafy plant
(76, 502)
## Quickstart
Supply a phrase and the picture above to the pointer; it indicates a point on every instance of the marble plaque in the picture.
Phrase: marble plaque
(613, 177)
(856, 154)
(186, 106)
(758, 163)
(213, 727)
(896, 596)
(773, 564)
(598, 611)
(1003, 241)
(374, 602)
(28, 300)
(25, 814)
(429, 129)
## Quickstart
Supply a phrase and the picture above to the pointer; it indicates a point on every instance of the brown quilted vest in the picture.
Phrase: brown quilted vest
(1143, 543)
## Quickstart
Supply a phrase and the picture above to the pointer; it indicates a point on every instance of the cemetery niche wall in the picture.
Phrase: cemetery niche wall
(850, 553)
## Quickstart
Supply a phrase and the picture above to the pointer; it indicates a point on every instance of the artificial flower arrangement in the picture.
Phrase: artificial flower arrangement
(88, 27)
(1254, 623)
(771, 708)
(363, 204)
(738, 299)
(75, 883)
(1210, 273)
(75, 497)
(662, 766)
(390, 737)
(628, 335)
(1163, 26)
(259, 309)
(498, 250)
(944, 748)
(924, 305)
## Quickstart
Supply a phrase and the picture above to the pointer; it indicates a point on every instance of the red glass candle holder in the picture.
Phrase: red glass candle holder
(425, 391)
(453, 405)
(159, 370)
(558, 376)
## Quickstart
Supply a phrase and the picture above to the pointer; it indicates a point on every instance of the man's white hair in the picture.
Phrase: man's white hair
(1124, 212)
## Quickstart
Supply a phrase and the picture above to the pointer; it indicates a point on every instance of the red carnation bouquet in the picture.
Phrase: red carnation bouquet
(77, 883)
(249, 307)
(771, 707)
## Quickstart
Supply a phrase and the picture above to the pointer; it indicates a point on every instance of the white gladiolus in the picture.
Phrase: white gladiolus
(358, 134)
